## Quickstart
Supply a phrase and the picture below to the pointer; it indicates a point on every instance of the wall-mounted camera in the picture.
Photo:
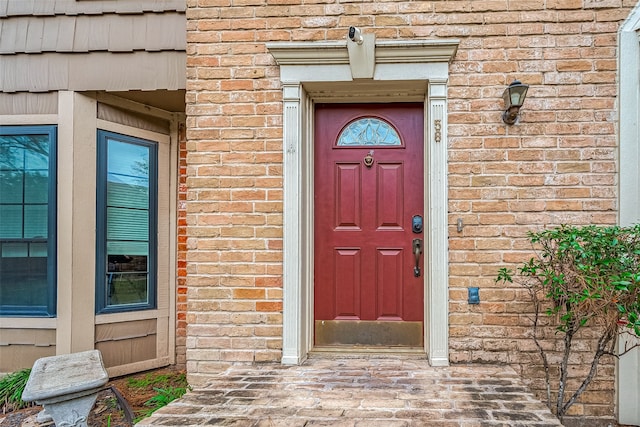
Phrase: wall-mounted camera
(355, 35)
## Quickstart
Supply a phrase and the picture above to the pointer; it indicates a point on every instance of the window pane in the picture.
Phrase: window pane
(369, 131)
(10, 221)
(36, 153)
(128, 162)
(128, 195)
(11, 153)
(130, 248)
(35, 221)
(27, 206)
(128, 263)
(36, 187)
(10, 187)
(38, 250)
(127, 224)
(23, 279)
(15, 250)
(126, 288)
(127, 206)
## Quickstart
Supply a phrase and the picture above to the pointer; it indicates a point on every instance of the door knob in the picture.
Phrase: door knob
(417, 251)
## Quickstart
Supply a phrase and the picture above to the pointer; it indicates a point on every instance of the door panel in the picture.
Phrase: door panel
(389, 275)
(347, 283)
(390, 197)
(368, 186)
(348, 197)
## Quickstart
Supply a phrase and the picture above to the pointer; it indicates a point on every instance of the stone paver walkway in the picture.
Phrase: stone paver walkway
(359, 392)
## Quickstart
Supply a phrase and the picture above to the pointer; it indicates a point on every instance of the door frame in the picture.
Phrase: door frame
(393, 70)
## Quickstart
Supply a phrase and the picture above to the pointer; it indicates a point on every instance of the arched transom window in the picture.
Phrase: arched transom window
(368, 131)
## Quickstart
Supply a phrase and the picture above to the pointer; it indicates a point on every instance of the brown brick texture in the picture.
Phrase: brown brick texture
(181, 284)
(557, 165)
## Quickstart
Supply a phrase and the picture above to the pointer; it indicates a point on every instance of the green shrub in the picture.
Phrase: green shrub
(582, 276)
(11, 388)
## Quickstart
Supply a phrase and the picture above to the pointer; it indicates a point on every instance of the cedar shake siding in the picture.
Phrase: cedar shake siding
(86, 45)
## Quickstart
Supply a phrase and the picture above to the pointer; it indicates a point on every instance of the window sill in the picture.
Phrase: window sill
(28, 322)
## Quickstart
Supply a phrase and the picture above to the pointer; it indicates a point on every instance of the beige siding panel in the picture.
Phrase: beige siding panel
(21, 38)
(81, 35)
(16, 72)
(16, 357)
(126, 8)
(115, 33)
(93, 71)
(143, 348)
(139, 31)
(37, 79)
(44, 7)
(27, 77)
(28, 103)
(37, 337)
(5, 47)
(161, 32)
(7, 80)
(125, 330)
(7, 36)
(175, 31)
(35, 28)
(66, 34)
(177, 71)
(117, 353)
(129, 118)
(81, 7)
(126, 342)
(98, 32)
(75, 7)
(45, 338)
(57, 67)
(50, 31)
(135, 71)
(120, 38)
(21, 7)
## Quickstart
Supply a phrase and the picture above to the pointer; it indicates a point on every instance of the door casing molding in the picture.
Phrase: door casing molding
(404, 70)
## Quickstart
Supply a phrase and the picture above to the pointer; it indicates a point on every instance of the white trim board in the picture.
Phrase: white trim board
(414, 70)
(628, 372)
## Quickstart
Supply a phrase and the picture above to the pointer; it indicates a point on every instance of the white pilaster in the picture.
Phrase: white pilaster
(437, 291)
(628, 373)
(292, 352)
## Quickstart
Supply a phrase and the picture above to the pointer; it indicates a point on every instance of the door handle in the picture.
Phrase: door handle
(417, 251)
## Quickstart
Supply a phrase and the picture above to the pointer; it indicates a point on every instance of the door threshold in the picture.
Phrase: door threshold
(367, 351)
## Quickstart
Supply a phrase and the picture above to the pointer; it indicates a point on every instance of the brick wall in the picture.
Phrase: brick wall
(558, 165)
(181, 280)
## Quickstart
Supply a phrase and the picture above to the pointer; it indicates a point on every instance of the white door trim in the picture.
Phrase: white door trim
(413, 70)
(628, 372)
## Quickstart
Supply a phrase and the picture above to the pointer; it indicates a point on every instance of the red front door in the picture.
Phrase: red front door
(368, 188)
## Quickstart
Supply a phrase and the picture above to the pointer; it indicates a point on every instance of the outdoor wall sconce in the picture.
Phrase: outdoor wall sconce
(514, 96)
